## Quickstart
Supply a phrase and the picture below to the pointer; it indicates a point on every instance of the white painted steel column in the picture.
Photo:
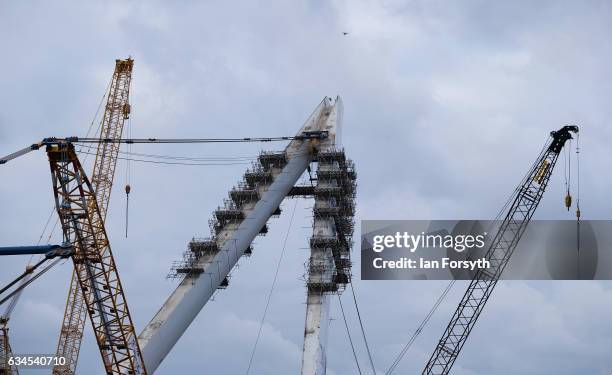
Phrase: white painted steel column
(321, 264)
(314, 359)
(184, 304)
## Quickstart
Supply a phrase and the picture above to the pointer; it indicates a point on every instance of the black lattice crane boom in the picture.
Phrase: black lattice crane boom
(116, 111)
(524, 203)
(98, 280)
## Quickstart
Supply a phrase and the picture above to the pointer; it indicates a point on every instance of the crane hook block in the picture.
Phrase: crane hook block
(128, 188)
(568, 201)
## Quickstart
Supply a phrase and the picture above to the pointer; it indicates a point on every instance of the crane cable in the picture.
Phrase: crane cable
(181, 140)
(578, 175)
(448, 288)
(516, 190)
(578, 203)
(93, 120)
(348, 333)
(565, 170)
(365, 340)
(568, 175)
(29, 267)
(128, 187)
(213, 163)
(29, 281)
(419, 329)
(278, 264)
(190, 158)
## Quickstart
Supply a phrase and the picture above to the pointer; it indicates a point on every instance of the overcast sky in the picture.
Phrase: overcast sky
(446, 106)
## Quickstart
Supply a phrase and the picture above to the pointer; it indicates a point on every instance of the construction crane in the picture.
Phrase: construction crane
(116, 111)
(5, 346)
(5, 349)
(52, 254)
(98, 279)
(96, 272)
(207, 268)
(524, 203)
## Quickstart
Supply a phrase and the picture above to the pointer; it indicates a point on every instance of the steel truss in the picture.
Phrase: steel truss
(511, 228)
(116, 111)
(98, 280)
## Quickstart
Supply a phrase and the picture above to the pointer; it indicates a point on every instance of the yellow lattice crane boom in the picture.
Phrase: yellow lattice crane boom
(116, 111)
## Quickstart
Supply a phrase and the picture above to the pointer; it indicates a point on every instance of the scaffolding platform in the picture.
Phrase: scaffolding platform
(329, 191)
(270, 160)
(335, 202)
(256, 177)
(189, 270)
(226, 215)
(323, 242)
(224, 283)
(241, 196)
(332, 157)
(203, 246)
(343, 263)
(264, 229)
(341, 278)
(322, 287)
(249, 251)
(301, 191)
(326, 211)
(186, 267)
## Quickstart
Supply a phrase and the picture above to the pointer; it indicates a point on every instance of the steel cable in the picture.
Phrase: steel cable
(278, 264)
(348, 333)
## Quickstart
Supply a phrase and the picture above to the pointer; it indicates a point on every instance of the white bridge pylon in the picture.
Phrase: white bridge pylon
(208, 262)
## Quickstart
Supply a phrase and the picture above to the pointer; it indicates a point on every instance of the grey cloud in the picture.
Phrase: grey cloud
(446, 105)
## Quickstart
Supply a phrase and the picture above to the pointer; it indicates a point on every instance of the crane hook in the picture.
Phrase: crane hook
(128, 189)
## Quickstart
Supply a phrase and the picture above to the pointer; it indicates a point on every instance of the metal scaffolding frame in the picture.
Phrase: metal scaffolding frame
(207, 263)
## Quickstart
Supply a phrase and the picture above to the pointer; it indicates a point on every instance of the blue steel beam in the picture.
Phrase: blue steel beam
(33, 250)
